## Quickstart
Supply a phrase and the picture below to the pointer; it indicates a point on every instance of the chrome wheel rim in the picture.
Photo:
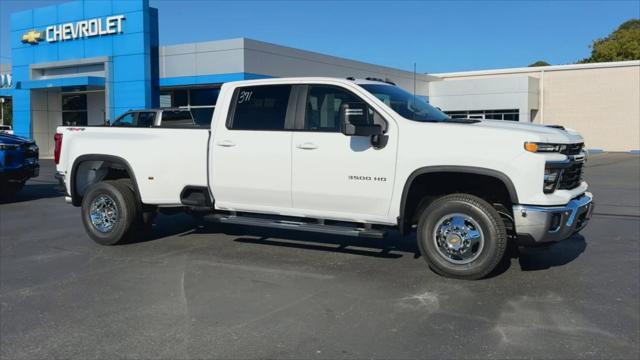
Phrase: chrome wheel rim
(104, 213)
(458, 238)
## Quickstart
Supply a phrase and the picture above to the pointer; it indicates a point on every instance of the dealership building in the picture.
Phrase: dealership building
(86, 62)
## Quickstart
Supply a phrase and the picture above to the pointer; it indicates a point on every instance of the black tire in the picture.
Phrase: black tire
(145, 214)
(126, 204)
(493, 235)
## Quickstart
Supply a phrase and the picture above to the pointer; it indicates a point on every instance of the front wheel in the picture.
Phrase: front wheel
(108, 212)
(461, 236)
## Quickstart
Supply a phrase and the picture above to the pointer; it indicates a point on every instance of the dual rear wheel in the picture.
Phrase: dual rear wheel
(460, 235)
(111, 212)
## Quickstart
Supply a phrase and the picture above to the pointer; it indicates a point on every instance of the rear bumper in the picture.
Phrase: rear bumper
(62, 187)
(21, 174)
(544, 224)
(60, 178)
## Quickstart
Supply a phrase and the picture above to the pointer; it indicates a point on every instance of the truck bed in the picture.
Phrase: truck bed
(163, 160)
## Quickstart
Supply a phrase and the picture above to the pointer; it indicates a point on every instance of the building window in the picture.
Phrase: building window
(180, 98)
(165, 99)
(203, 97)
(74, 110)
(505, 114)
(200, 101)
(6, 110)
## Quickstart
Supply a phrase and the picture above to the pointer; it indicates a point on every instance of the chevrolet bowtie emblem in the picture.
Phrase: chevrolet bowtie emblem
(32, 37)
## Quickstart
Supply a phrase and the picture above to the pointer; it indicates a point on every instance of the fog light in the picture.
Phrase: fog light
(556, 218)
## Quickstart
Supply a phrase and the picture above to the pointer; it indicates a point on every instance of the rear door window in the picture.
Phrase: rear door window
(260, 108)
(146, 119)
(177, 119)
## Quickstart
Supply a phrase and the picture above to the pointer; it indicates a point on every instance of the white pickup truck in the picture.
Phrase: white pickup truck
(340, 156)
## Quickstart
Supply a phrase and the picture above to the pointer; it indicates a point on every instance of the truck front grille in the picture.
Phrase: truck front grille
(573, 149)
(571, 176)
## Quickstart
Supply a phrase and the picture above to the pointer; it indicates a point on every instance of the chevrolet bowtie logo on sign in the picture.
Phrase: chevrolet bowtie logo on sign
(80, 29)
(32, 37)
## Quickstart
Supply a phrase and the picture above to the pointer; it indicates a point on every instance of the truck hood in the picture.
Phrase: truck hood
(545, 133)
(13, 140)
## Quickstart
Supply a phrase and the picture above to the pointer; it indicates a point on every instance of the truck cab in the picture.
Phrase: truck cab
(342, 156)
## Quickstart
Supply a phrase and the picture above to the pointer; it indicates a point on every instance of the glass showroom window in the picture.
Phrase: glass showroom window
(505, 114)
(200, 101)
(74, 109)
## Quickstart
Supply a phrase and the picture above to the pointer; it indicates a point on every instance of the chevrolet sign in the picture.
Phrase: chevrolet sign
(80, 29)
(32, 37)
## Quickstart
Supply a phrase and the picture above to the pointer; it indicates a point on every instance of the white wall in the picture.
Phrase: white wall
(95, 108)
(46, 116)
(281, 61)
(600, 100)
(257, 57)
(517, 92)
(206, 58)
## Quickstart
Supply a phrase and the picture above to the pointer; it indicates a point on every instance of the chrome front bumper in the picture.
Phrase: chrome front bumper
(542, 224)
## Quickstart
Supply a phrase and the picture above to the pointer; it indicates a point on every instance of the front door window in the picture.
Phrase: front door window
(126, 120)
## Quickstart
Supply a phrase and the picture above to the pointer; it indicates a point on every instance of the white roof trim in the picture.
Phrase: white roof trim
(540, 68)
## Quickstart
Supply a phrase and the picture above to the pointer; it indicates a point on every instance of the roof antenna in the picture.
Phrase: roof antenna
(414, 91)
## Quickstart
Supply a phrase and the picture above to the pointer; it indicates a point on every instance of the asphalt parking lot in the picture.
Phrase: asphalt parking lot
(232, 292)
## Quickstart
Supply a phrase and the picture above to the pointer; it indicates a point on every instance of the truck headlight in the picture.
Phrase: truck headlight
(551, 178)
(544, 147)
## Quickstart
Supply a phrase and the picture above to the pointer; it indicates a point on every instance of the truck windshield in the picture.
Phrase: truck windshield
(406, 104)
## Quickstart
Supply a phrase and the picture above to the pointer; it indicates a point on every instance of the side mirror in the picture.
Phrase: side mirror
(355, 121)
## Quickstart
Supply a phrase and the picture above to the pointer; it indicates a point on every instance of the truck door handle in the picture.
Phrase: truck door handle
(226, 143)
(307, 146)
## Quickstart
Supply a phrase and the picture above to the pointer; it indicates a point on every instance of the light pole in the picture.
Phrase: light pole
(1, 111)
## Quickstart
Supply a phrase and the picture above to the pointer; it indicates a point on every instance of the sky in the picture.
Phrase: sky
(439, 36)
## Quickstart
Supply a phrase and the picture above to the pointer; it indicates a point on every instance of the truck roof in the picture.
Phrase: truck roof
(158, 109)
(302, 80)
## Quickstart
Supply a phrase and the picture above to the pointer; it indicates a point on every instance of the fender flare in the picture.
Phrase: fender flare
(100, 157)
(513, 195)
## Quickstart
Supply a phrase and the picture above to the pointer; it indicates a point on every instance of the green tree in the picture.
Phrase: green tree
(539, 63)
(622, 44)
